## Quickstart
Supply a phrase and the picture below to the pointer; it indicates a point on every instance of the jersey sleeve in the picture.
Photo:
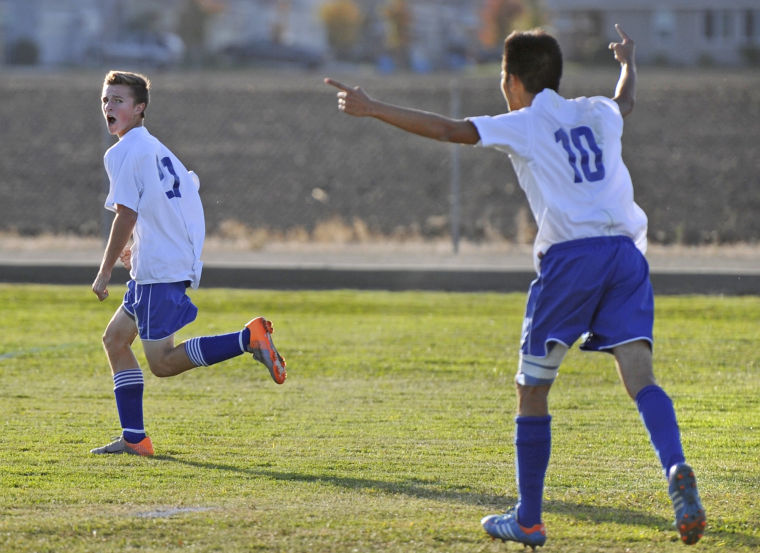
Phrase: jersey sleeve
(124, 174)
(611, 111)
(509, 132)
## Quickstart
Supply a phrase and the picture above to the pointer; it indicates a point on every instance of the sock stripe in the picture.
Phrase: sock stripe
(134, 430)
(130, 377)
(129, 380)
(193, 350)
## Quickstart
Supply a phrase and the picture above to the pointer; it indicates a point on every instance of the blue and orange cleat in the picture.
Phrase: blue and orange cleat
(263, 350)
(690, 515)
(506, 528)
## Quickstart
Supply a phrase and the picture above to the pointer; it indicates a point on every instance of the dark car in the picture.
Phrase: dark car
(264, 52)
(144, 48)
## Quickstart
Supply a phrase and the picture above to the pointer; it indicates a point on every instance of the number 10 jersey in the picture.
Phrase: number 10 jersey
(567, 155)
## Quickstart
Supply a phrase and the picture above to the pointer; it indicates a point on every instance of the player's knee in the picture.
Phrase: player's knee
(536, 391)
(535, 371)
(160, 368)
(113, 340)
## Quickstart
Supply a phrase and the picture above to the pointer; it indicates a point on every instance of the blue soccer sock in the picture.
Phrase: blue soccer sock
(533, 447)
(128, 389)
(208, 350)
(659, 417)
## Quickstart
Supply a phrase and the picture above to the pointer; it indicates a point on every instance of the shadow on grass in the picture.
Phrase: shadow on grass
(438, 491)
(418, 488)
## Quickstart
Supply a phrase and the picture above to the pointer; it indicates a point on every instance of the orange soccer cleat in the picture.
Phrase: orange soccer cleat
(263, 350)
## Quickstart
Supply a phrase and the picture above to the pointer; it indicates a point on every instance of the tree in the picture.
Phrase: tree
(343, 21)
(399, 37)
(533, 16)
(192, 25)
(497, 20)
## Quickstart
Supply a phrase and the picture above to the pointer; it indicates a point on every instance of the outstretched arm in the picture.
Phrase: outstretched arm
(625, 92)
(354, 101)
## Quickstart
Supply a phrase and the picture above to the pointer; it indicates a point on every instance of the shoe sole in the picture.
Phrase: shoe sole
(691, 525)
(269, 354)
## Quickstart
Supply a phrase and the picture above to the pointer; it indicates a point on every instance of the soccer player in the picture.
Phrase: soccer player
(592, 277)
(156, 202)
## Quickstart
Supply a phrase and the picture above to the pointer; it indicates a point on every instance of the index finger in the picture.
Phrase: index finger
(337, 84)
(621, 32)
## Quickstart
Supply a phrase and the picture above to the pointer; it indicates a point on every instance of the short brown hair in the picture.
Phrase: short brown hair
(535, 57)
(138, 84)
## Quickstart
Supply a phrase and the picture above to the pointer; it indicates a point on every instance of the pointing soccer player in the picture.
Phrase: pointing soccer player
(157, 204)
(592, 277)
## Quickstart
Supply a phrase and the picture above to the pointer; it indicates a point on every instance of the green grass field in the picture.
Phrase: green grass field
(392, 433)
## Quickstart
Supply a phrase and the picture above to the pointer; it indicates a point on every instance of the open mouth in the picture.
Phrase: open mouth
(111, 119)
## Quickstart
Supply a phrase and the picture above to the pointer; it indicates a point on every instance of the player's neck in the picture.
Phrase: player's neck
(137, 125)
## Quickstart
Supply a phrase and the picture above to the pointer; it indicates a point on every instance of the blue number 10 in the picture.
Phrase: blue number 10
(576, 135)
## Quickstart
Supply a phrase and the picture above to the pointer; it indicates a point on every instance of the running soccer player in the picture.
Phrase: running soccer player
(156, 202)
(593, 279)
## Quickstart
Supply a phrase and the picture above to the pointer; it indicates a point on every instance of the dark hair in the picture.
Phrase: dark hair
(138, 84)
(534, 56)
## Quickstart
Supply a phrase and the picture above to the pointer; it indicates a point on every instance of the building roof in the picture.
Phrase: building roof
(649, 5)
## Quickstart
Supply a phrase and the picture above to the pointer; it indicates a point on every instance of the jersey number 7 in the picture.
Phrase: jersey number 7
(167, 163)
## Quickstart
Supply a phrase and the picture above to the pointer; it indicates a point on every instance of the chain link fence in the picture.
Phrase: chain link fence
(277, 161)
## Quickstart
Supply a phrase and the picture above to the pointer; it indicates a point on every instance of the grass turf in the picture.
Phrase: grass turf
(393, 432)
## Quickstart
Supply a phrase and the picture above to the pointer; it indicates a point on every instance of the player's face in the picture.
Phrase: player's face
(119, 109)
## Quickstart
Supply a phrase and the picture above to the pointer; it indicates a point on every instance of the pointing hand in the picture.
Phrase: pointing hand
(352, 100)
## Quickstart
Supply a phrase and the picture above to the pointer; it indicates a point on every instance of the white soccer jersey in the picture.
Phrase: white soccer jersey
(567, 157)
(149, 179)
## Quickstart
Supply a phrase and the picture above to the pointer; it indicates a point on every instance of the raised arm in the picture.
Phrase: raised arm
(354, 101)
(625, 91)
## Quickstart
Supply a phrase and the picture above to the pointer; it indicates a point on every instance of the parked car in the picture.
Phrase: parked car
(265, 52)
(151, 49)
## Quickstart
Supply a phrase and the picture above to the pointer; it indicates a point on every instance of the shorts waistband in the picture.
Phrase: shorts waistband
(585, 242)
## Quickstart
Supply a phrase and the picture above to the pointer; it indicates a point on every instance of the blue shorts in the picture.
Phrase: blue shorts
(594, 286)
(160, 309)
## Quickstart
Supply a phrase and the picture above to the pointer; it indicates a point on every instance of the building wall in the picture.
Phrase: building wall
(667, 31)
(441, 28)
(3, 28)
(677, 35)
(294, 21)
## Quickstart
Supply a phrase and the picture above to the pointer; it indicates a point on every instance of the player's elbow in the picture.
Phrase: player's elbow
(625, 104)
(459, 132)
